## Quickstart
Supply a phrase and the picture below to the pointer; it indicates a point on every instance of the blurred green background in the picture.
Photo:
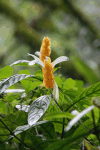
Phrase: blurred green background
(72, 26)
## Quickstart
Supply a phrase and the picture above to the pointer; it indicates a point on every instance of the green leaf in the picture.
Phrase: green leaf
(69, 84)
(29, 85)
(86, 126)
(6, 72)
(89, 146)
(48, 130)
(59, 115)
(56, 69)
(24, 72)
(58, 81)
(65, 143)
(92, 91)
(38, 108)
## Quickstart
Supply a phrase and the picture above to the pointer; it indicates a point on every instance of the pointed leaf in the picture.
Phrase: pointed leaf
(23, 107)
(38, 61)
(60, 59)
(20, 62)
(12, 80)
(38, 108)
(59, 115)
(92, 91)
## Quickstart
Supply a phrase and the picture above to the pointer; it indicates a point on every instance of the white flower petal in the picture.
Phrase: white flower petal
(55, 92)
(37, 60)
(78, 117)
(60, 59)
(32, 62)
(37, 53)
(14, 90)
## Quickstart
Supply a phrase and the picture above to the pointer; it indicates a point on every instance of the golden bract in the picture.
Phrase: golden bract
(48, 80)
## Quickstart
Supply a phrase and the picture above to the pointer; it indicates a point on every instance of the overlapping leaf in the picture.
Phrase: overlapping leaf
(38, 108)
(12, 80)
(92, 91)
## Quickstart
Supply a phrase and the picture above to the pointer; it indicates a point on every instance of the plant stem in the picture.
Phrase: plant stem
(63, 129)
(14, 134)
(96, 132)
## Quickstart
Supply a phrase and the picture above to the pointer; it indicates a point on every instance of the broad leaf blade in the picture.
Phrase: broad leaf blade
(38, 108)
(6, 72)
(12, 80)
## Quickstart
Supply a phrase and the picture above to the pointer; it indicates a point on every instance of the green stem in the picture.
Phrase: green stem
(63, 129)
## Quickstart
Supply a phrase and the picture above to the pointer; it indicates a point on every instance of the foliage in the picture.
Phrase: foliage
(42, 118)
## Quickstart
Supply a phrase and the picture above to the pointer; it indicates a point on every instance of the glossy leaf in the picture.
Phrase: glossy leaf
(38, 108)
(12, 80)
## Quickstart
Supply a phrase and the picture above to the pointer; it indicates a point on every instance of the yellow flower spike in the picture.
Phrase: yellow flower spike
(45, 48)
(48, 80)
(45, 62)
